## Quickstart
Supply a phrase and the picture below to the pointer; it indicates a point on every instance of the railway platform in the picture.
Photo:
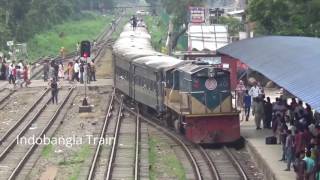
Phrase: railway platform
(266, 156)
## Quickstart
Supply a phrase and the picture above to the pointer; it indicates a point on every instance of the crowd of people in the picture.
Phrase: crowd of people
(17, 74)
(294, 123)
(76, 70)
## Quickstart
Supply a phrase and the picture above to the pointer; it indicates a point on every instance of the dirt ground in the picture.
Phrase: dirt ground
(104, 65)
(63, 162)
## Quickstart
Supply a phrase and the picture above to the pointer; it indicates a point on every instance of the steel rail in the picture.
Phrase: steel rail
(35, 145)
(236, 163)
(8, 133)
(213, 168)
(6, 96)
(115, 142)
(102, 135)
(137, 150)
(179, 141)
(23, 131)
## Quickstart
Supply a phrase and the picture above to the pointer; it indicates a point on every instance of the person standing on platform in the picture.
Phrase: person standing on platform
(289, 149)
(70, 71)
(299, 142)
(258, 112)
(93, 70)
(247, 104)
(46, 69)
(240, 89)
(56, 71)
(61, 71)
(310, 165)
(300, 166)
(19, 74)
(283, 138)
(12, 72)
(26, 75)
(268, 113)
(81, 67)
(76, 70)
(255, 91)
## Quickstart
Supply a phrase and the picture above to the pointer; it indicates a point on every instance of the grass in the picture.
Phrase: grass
(76, 161)
(66, 35)
(168, 163)
(47, 151)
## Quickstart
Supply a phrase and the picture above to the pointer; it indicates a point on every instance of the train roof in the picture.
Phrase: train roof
(128, 27)
(127, 43)
(157, 62)
(135, 34)
(192, 67)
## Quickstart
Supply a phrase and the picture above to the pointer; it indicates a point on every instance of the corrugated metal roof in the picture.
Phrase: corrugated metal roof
(291, 62)
(207, 37)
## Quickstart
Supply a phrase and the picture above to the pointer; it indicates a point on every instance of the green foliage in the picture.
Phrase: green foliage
(286, 17)
(20, 20)
(234, 25)
(179, 9)
(163, 161)
(66, 35)
(47, 151)
(157, 28)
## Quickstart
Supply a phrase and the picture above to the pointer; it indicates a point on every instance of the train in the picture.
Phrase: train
(193, 97)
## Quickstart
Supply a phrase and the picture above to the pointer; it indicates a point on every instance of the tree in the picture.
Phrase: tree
(286, 17)
(21, 19)
(4, 29)
(234, 25)
(179, 11)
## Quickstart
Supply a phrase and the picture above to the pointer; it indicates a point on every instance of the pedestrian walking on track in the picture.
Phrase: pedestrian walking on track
(54, 90)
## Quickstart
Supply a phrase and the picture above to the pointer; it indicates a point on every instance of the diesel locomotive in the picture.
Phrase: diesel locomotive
(192, 96)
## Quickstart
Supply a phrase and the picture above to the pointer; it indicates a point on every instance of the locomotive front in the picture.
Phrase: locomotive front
(200, 99)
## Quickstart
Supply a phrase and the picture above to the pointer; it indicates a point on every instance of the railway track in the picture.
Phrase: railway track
(98, 164)
(121, 160)
(14, 153)
(217, 164)
(124, 157)
(226, 164)
(195, 162)
(5, 94)
(12, 132)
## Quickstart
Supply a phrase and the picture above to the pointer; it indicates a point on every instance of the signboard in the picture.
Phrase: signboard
(197, 14)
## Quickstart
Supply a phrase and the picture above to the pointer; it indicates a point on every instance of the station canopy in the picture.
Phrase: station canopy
(291, 62)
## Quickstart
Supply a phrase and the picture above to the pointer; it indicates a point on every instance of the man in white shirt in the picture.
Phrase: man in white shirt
(255, 91)
(76, 70)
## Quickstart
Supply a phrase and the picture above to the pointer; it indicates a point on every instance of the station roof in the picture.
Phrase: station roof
(291, 62)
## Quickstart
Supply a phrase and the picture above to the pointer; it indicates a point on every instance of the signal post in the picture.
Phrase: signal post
(85, 52)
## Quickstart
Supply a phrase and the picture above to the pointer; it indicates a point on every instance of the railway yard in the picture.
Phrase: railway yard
(134, 146)
(159, 90)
